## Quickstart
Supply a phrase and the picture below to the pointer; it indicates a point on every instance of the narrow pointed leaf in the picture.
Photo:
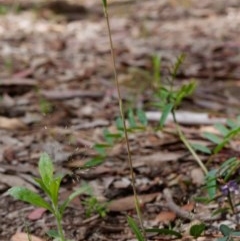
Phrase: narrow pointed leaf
(131, 120)
(142, 117)
(132, 224)
(212, 137)
(165, 112)
(222, 129)
(201, 148)
(94, 162)
(84, 189)
(211, 181)
(164, 231)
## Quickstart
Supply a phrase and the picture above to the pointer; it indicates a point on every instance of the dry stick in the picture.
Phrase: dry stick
(182, 213)
(124, 125)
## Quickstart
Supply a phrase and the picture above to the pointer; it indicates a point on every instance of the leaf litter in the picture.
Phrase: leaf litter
(58, 96)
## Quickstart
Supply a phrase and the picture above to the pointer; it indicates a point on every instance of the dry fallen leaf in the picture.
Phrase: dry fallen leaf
(36, 214)
(197, 176)
(128, 203)
(24, 237)
(13, 180)
(11, 123)
(165, 216)
(188, 207)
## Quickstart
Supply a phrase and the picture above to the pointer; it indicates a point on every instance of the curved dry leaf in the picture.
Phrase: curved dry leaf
(11, 123)
(37, 213)
(165, 217)
(24, 237)
(12, 180)
(128, 203)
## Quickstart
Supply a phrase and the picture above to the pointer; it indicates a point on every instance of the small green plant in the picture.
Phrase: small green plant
(3, 10)
(228, 233)
(92, 206)
(50, 184)
(45, 106)
(217, 178)
(197, 229)
(226, 133)
(136, 122)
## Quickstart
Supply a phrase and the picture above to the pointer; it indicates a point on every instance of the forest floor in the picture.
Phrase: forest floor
(58, 95)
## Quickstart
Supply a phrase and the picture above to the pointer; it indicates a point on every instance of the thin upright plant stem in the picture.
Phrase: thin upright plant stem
(137, 205)
(187, 144)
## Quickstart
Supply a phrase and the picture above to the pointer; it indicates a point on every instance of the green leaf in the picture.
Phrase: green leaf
(43, 187)
(232, 124)
(204, 200)
(225, 230)
(231, 134)
(45, 168)
(101, 148)
(94, 162)
(220, 211)
(177, 65)
(52, 233)
(197, 229)
(132, 224)
(84, 189)
(228, 167)
(107, 137)
(142, 117)
(156, 69)
(115, 135)
(164, 231)
(222, 129)
(202, 148)
(26, 195)
(131, 120)
(235, 233)
(212, 137)
(104, 2)
(211, 182)
(184, 91)
(119, 124)
(165, 112)
(54, 188)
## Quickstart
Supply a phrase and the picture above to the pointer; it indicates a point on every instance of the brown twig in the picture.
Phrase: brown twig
(182, 213)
